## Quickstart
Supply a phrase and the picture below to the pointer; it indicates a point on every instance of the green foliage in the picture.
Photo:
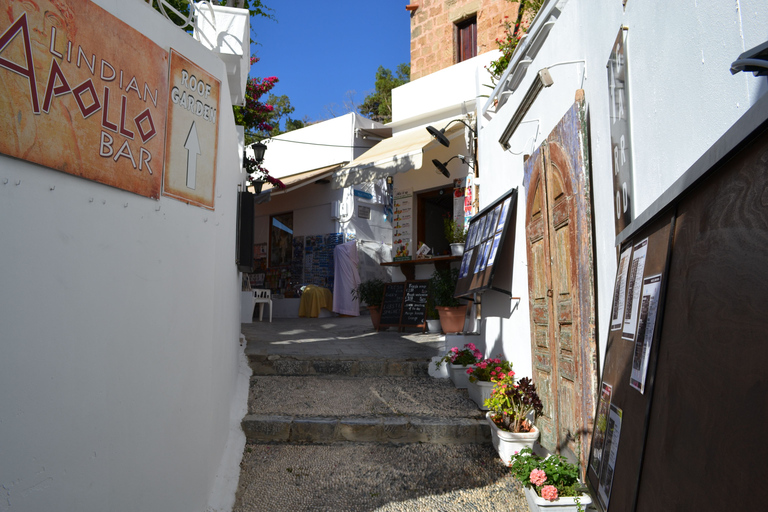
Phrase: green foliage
(513, 34)
(455, 232)
(560, 473)
(512, 402)
(371, 292)
(442, 286)
(377, 106)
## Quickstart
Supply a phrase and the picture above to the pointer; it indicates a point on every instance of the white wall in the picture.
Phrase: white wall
(120, 326)
(318, 145)
(682, 99)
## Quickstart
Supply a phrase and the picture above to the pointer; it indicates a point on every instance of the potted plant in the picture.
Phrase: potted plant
(459, 361)
(257, 175)
(550, 483)
(433, 319)
(371, 292)
(480, 383)
(456, 234)
(511, 403)
(442, 285)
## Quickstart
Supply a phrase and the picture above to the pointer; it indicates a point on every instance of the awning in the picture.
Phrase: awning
(300, 179)
(399, 153)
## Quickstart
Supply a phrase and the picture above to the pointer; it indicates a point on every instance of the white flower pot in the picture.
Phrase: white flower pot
(457, 249)
(538, 504)
(459, 375)
(433, 325)
(508, 444)
(480, 391)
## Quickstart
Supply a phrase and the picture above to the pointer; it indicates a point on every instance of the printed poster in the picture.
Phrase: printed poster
(601, 426)
(620, 290)
(402, 233)
(83, 93)
(494, 248)
(503, 214)
(613, 434)
(648, 309)
(635, 287)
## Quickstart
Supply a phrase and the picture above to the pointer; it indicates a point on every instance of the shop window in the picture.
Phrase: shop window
(280, 239)
(466, 39)
(433, 208)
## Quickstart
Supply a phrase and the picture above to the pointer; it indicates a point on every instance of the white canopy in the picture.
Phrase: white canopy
(399, 153)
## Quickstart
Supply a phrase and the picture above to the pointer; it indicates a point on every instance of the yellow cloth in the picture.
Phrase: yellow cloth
(314, 298)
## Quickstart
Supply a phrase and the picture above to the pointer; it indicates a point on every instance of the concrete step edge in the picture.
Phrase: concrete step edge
(261, 365)
(378, 429)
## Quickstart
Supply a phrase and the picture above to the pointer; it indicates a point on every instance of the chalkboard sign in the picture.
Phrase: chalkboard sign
(404, 304)
(392, 305)
(415, 303)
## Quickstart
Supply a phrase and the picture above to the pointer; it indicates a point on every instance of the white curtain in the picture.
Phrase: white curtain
(346, 278)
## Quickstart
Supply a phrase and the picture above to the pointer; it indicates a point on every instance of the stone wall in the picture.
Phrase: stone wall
(433, 35)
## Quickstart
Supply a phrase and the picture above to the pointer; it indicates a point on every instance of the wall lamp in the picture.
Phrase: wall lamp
(441, 166)
(440, 134)
(543, 79)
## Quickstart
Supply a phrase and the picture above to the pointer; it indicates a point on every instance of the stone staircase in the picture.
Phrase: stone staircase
(325, 400)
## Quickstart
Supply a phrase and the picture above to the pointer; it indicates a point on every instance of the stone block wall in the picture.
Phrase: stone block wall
(433, 34)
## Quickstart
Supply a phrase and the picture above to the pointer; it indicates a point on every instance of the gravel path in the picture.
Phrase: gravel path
(372, 477)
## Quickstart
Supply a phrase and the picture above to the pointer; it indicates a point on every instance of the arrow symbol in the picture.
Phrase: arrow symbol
(192, 145)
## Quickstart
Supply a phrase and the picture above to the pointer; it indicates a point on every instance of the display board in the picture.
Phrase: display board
(487, 237)
(683, 391)
(404, 304)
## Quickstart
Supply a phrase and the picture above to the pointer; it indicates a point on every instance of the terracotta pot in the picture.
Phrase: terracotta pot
(375, 316)
(452, 319)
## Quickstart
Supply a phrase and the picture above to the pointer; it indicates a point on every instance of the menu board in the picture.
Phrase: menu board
(404, 304)
(392, 305)
(402, 234)
(486, 239)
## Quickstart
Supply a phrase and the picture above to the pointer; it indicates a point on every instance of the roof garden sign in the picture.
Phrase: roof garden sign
(192, 133)
(620, 136)
(83, 93)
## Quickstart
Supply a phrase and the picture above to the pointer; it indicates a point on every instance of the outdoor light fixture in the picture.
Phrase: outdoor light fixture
(258, 151)
(754, 60)
(440, 134)
(441, 166)
(543, 79)
(389, 180)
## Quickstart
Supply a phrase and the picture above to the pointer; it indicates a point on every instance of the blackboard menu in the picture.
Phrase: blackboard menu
(404, 304)
(392, 305)
(415, 303)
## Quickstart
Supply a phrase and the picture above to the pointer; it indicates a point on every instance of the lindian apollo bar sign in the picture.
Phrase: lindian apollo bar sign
(84, 93)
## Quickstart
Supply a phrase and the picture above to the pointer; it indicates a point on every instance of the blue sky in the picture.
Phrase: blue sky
(322, 49)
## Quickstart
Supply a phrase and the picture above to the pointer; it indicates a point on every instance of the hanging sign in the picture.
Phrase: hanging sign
(192, 133)
(83, 93)
(620, 137)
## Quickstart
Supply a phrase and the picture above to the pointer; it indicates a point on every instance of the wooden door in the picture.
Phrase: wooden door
(560, 281)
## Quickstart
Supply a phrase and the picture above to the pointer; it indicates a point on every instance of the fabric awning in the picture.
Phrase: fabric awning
(301, 179)
(399, 153)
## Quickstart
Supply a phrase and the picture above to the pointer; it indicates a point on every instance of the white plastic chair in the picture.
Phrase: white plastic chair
(263, 296)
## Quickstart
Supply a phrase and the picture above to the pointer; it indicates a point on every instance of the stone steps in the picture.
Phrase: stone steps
(338, 408)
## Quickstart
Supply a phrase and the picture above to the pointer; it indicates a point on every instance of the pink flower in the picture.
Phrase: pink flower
(477, 354)
(498, 368)
(493, 373)
(471, 346)
(455, 350)
(469, 372)
(497, 360)
(538, 477)
(549, 492)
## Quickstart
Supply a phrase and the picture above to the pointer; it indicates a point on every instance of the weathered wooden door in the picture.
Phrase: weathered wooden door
(560, 282)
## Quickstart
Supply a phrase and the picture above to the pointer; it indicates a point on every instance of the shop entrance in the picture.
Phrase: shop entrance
(433, 207)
